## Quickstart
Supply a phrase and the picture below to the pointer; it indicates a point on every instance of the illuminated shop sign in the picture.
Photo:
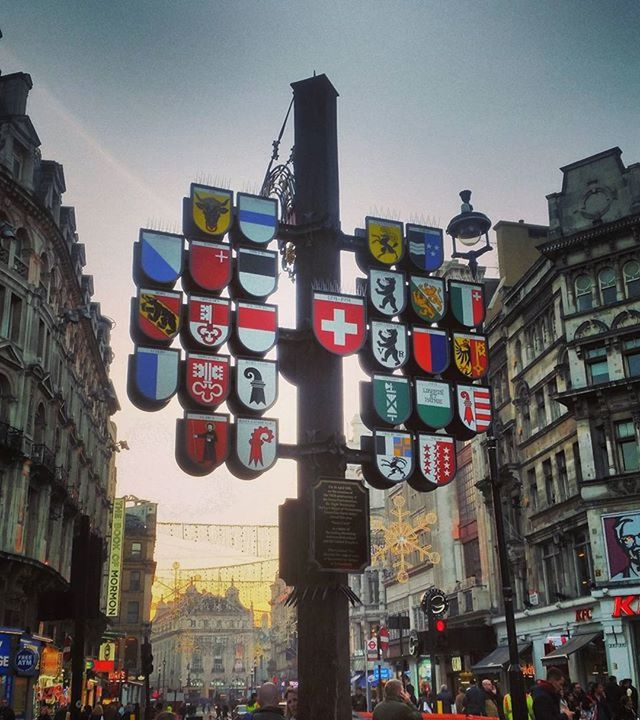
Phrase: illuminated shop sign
(626, 605)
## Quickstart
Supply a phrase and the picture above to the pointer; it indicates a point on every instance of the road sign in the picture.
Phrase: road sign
(383, 638)
(372, 649)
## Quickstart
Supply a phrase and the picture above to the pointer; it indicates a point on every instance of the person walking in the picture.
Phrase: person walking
(268, 699)
(507, 706)
(358, 701)
(445, 697)
(396, 704)
(546, 696)
(6, 711)
(474, 700)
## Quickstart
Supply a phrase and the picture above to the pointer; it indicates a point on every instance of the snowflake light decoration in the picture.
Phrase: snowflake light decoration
(400, 538)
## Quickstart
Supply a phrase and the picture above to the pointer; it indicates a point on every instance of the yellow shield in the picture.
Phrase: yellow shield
(386, 243)
(212, 209)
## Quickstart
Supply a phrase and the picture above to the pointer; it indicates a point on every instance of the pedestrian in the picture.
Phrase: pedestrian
(396, 704)
(423, 702)
(474, 700)
(445, 697)
(631, 692)
(358, 701)
(97, 713)
(507, 707)
(492, 701)
(613, 692)
(268, 699)
(412, 694)
(459, 700)
(601, 707)
(6, 711)
(291, 699)
(546, 696)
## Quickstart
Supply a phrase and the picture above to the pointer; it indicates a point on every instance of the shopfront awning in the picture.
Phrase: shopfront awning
(561, 654)
(497, 659)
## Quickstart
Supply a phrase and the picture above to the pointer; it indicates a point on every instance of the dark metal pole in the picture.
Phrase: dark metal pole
(516, 679)
(323, 651)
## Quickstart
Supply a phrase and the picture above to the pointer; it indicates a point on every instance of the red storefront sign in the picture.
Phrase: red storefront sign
(584, 614)
(626, 605)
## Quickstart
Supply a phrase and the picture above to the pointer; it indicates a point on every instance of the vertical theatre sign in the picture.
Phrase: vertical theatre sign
(115, 559)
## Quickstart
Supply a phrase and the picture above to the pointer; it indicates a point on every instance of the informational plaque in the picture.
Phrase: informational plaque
(340, 525)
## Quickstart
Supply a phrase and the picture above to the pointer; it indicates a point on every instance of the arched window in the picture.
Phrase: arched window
(584, 294)
(632, 279)
(607, 282)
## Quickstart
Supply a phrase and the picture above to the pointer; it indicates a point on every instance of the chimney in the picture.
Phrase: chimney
(14, 89)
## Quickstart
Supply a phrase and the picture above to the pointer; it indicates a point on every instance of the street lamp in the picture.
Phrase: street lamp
(469, 228)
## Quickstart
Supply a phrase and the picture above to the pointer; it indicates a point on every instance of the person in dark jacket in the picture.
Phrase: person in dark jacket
(396, 704)
(613, 693)
(546, 696)
(631, 692)
(601, 708)
(445, 697)
(474, 700)
(268, 699)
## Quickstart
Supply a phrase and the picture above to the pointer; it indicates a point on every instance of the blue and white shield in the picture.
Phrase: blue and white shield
(160, 256)
(257, 217)
(426, 247)
(154, 374)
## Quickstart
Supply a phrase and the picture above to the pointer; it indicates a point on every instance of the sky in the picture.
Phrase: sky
(139, 98)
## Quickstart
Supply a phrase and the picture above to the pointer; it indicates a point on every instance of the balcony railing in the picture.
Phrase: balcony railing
(10, 439)
(20, 267)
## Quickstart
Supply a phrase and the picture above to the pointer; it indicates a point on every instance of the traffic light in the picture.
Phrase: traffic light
(146, 658)
(440, 633)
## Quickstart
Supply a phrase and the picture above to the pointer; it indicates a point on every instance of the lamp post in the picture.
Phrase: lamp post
(470, 228)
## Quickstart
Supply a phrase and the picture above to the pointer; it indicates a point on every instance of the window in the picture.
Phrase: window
(584, 295)
(15, 319)
(563, 480)
(532, 485)
(554, 405)
(632, 279)
(136, 550)
(373, 587)
(465, 486)
(552, 570)
(627, 444)
(471, 553)
(607, 282)
(547, 474)
(582, 556)
(133, 611)
(577, 462)
(631, 350)
(518, 356)
(526, 418)
(597, 365)
(541, 409)
(134, 580)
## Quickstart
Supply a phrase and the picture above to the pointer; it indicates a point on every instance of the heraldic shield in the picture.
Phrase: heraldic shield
(431, 349)
(474, 407)
(159, 257)
(209, 321)
(339, 322)
(394, 454)
(256, 383)
(426, 247)
(385, 240)
(387, 291)
(257, 271)
(256, 443)
(158, 315)
(211, 209)
(207, 379)
(257, 218)
(428, 298)
(152, 377)
(202, 442)
(209, 266)
(437, 458)
(466, 301)
(389, 343)
(434, 403)
(392, 398)
(470, 355)
(257, 326)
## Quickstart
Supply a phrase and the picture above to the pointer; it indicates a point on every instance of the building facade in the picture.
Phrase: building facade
(564, 336)
(57, 441)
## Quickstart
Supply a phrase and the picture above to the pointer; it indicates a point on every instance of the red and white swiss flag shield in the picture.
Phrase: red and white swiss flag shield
(339, 322)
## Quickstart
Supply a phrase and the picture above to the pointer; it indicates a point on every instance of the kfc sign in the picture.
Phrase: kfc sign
(626, 605)
(584, 614)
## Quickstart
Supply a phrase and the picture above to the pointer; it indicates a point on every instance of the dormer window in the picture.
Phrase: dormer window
(584, 292)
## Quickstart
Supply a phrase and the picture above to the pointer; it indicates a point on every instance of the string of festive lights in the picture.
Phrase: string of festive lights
(257, 540)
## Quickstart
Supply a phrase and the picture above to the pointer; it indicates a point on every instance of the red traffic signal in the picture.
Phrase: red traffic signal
(440, 625)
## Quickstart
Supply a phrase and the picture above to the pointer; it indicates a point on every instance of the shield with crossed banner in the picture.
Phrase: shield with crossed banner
(209, 265)
(474, 407)
(434, 403)
(207, 378)
(387, 291)
(209, 320)
(394, 454)
(470, 355)
(158, 314)
(437, 458)
(339, 322)
(389, 343)
(256, 442)
(256, 383)
(428, 298)
(391, 398)
(385, 239)
(202, 442)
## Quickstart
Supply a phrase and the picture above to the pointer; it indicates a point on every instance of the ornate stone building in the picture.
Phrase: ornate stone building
(564, 335)
(203, 644)
(57, 442)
